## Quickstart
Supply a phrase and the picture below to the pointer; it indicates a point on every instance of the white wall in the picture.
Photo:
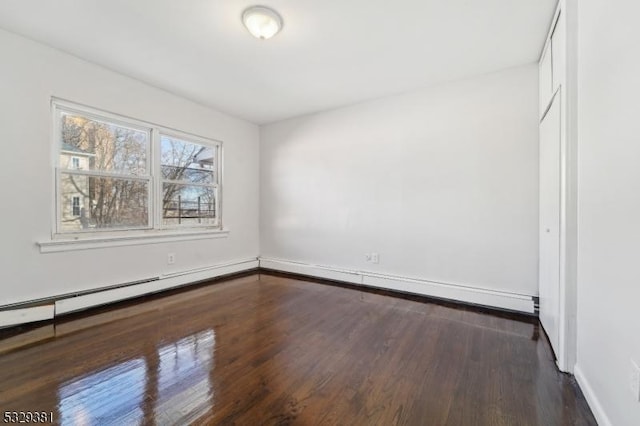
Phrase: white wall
(442, 183)
(30, 74)
(609, 207)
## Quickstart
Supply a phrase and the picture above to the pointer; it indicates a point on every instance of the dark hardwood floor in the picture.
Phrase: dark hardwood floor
(265, 349)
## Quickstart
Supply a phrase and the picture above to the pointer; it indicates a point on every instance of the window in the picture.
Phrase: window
(75, 206)
(188, 182)
(132, 175)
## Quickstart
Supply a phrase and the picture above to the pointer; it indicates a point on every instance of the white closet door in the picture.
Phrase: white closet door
(549, 267)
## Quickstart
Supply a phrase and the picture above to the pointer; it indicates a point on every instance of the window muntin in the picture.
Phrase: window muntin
(108, 180)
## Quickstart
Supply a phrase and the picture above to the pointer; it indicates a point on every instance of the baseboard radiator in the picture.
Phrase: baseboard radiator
(502, 300)
(49, 308)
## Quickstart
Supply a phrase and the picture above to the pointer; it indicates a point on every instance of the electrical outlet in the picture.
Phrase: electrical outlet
(375, 258)
(171, 258)
(367, 257)
(634, 380)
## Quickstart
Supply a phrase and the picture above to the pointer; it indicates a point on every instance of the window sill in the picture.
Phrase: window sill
(93, 242)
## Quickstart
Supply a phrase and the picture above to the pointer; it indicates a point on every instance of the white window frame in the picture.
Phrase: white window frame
(75, 160)
(153, 177)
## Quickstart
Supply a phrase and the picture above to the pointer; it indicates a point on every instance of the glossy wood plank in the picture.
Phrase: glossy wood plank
(268, 349)
(27, 337)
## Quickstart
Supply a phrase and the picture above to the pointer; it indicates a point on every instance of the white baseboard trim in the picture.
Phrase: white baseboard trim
(165, 282)
(24, 315)
(458, 293)
(590, 396)
(312, 270)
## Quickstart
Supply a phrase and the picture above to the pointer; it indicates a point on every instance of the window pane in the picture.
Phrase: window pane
(89, 144)
(104, 203)
(75, 206)
(188, 204)
(186, 161)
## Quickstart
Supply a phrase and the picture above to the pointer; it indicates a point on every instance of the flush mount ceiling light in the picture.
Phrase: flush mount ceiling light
(262, 22)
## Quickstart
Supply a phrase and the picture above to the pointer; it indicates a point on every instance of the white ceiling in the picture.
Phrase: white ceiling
(330, 53)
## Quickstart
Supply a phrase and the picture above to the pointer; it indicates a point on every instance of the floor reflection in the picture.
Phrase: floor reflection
(170, 385)
(112, 396)
(184, 378)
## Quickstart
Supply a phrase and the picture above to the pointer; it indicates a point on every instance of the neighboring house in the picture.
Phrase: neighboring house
(205, 158)
(74, 206)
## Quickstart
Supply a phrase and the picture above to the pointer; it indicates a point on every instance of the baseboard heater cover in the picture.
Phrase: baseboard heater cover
(101, 296)
(465, 294)
(25, 315)
(49, 308)
(164, 282)
(317, 271)
(63, 304)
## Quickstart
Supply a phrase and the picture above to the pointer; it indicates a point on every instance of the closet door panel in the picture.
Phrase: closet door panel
(549, 262)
